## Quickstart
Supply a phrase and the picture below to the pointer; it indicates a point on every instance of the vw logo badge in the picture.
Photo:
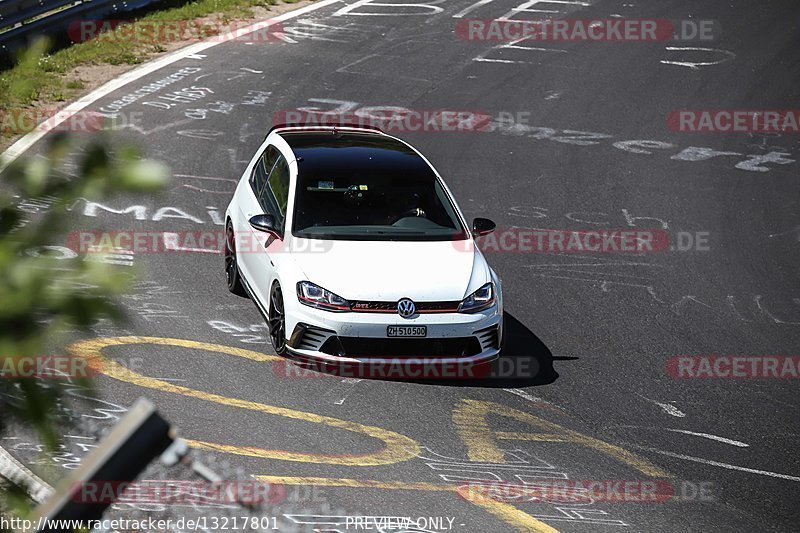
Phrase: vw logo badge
(406, 307)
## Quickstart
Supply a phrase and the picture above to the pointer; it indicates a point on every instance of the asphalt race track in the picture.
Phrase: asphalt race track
(578, 140)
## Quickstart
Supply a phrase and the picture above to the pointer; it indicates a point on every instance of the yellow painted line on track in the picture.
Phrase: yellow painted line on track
(533, 437)
(471, 419)
(92, 348)
(397, 447)
(357, 483)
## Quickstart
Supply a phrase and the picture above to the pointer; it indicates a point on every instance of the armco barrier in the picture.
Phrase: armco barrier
(23, 19)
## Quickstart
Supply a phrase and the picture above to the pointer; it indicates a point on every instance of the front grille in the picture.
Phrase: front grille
(391, 307)
(381, 347)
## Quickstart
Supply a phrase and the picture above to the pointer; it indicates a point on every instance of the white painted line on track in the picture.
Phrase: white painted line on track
(351, 384)
(528, 396)
(23, 144)
(721, 465)
(732, 442)
(670, 409)
(667, 407)
(535, 399)
(471, 8)
(170, 243)
(712, 437)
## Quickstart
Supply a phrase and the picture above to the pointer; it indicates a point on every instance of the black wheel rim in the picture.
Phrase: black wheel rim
(230, 258)
(277, 320)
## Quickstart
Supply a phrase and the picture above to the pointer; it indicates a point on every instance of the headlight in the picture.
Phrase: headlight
(315, 296)
(479, 300)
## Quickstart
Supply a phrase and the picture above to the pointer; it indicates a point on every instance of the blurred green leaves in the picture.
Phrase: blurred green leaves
(38, 297)
(40, 301)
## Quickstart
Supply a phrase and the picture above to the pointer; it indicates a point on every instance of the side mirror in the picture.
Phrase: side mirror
(482, 226)
(266, 223)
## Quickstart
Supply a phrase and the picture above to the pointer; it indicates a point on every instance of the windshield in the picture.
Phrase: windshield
(370, 193)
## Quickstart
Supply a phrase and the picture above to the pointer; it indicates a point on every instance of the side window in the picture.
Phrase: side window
(262, 168)
(275, 196)
(270, 156)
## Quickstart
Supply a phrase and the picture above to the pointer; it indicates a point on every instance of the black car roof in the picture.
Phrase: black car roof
(304, 140)
(321, 151)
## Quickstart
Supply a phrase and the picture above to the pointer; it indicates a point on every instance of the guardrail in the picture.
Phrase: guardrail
(22, 19)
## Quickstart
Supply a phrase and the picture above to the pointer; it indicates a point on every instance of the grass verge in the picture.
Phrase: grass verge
(41, 80)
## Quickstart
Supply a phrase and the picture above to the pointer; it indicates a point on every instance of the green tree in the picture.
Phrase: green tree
(37, 301)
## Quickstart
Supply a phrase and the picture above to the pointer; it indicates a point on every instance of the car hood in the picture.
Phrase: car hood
(388, 271)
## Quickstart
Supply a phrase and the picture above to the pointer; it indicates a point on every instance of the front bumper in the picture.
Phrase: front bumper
(361, 338)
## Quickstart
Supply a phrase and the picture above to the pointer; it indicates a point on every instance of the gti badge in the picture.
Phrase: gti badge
(406, 307)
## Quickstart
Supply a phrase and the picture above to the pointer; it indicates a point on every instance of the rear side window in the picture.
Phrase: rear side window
(262, 168)
(275, 195)
(270, 156)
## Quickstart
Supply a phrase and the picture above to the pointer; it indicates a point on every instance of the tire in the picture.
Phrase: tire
(277, 320)
(233, 277)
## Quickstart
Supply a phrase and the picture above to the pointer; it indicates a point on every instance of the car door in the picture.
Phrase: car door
(251, 243)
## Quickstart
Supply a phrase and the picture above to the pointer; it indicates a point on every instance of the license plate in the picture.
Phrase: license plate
(406, 331)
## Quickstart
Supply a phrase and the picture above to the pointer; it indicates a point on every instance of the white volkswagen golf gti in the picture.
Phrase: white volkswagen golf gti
(353, 249)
